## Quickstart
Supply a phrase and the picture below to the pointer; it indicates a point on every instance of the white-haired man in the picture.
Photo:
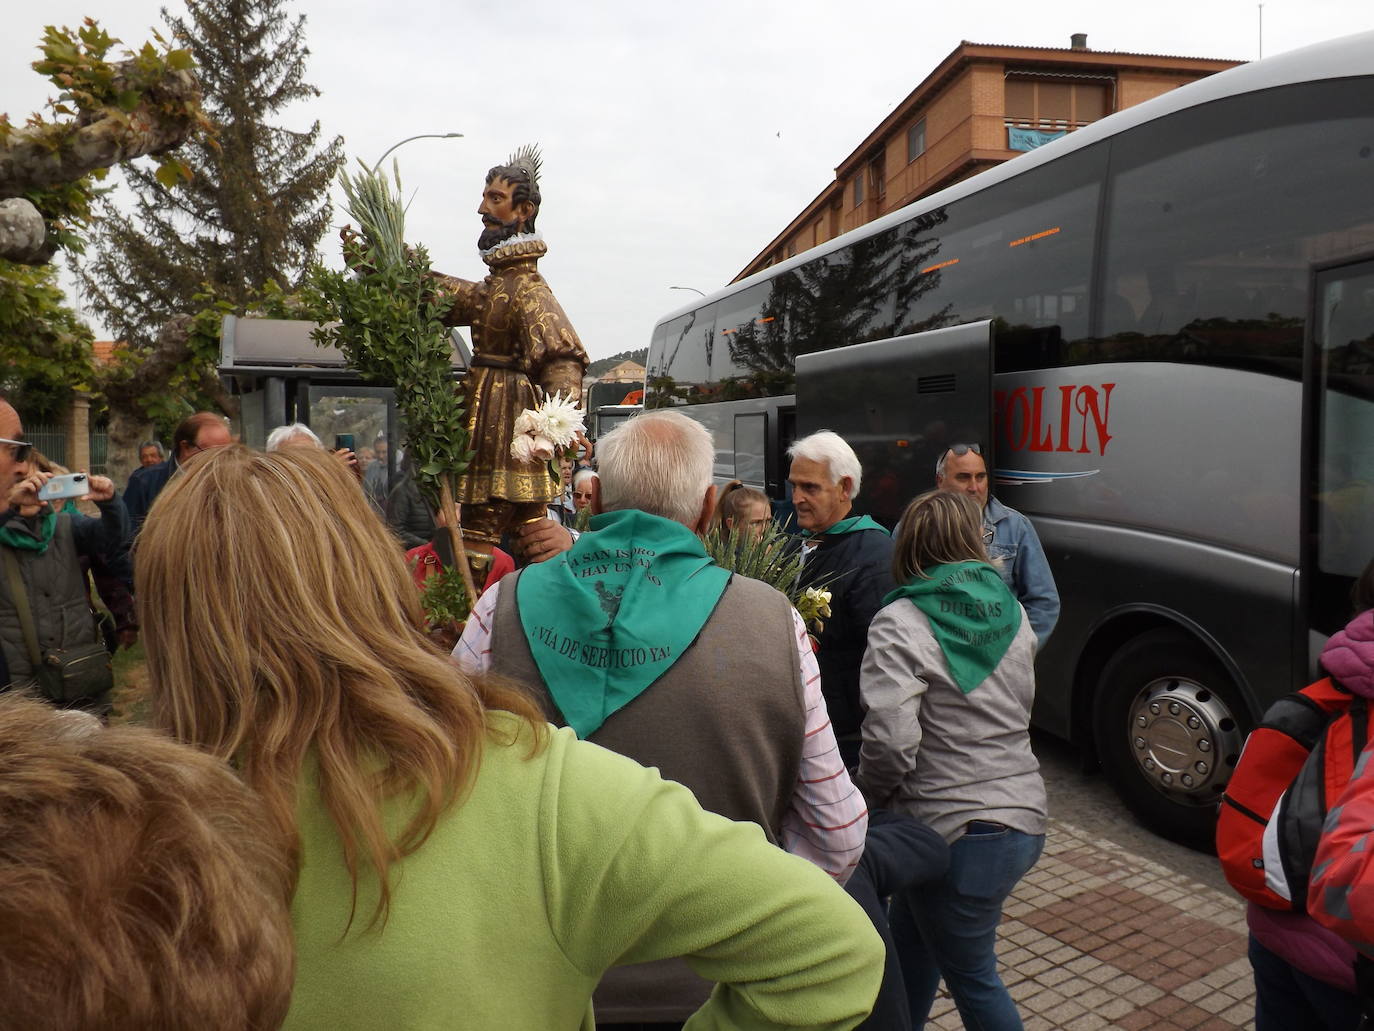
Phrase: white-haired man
(1010, 538)
(298, 434)
(636, 640)
(849, 555)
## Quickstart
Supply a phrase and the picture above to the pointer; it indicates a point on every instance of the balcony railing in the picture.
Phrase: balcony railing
(1028, 134)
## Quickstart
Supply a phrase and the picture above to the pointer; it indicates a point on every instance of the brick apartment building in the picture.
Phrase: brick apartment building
(982, 105)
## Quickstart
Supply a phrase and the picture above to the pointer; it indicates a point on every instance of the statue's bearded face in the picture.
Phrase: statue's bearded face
(502, 216)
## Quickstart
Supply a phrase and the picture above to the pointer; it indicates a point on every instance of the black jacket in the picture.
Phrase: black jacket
(408, 515)
(55, 584)
(858, 567)
(145, 484)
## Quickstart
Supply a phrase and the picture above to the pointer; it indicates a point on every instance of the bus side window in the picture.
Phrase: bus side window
(1202, 240)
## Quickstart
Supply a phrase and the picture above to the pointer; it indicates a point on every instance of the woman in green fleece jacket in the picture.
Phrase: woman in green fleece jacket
(460, 863)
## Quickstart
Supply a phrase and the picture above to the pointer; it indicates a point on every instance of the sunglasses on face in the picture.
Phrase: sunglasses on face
(20, 448)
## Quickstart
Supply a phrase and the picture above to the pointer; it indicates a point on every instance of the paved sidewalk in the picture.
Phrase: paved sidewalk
(1096, 937)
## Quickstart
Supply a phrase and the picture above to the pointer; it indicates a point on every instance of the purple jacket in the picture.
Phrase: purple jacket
(1349, 655)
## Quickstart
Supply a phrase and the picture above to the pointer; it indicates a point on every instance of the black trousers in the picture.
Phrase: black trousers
(898, 852)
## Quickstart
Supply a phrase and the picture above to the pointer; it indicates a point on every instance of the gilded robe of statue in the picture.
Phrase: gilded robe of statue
(520, 339)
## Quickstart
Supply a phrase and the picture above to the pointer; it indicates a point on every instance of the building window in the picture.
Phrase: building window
(916, 141)
(1037, 103)
(877, 172)
(858, 189)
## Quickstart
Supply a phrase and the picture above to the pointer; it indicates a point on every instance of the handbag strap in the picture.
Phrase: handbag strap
(21, 605)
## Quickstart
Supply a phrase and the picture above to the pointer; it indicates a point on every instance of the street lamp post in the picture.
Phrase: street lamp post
(692, 288)
(421, 136)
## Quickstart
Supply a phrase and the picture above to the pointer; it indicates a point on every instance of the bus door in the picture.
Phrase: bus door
(1340, 453)
(900, 403)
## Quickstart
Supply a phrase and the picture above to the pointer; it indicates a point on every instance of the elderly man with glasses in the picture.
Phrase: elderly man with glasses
(1010, 538)
(49, 639)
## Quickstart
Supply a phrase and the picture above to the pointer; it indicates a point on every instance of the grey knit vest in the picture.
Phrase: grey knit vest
(727, 719)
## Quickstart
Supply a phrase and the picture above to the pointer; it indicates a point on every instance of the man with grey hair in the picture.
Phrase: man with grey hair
(637, 641)
(848, 555)
(149, 453)
(298, 434)
(1011, 540)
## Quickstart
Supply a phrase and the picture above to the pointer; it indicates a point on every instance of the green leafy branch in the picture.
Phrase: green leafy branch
(46, 354)
(445, 598)
(390, 328)
(148, 102)
(92, 86)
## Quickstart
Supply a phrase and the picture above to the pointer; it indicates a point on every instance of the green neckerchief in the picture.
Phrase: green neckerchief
(608, 618)
(851, 525)
(972, 613)
(20, 536)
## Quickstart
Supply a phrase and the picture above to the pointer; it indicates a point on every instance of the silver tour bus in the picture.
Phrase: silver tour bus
(1161, 328)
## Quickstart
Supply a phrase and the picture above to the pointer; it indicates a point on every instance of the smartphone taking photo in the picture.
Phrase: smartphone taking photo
(73, 485)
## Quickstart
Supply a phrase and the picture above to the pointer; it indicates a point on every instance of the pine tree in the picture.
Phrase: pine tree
(256, 205)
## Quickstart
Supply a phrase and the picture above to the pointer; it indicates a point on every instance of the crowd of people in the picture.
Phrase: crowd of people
(640, 792)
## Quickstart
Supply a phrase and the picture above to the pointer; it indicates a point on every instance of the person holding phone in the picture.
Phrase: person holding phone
(48, 634)
(298, 434)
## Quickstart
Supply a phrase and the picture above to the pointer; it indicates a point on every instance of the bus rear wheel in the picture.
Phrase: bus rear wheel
(1169, 724)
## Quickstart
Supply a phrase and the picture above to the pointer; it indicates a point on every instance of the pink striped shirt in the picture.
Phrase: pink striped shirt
(826, 820)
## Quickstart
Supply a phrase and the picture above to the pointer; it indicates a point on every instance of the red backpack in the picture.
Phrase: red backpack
(1293, 766)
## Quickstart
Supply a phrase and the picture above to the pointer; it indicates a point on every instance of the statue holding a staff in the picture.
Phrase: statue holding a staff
(521, 340)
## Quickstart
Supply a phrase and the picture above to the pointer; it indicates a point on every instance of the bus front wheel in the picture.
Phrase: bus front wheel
(1169, 725)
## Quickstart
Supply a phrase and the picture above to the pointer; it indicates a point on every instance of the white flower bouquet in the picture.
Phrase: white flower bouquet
(814, 607)
(543, 433)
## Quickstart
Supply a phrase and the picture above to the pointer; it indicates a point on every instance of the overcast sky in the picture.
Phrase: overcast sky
(678, 139)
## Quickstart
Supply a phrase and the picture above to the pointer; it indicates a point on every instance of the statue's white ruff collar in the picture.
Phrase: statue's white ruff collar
(512, 242)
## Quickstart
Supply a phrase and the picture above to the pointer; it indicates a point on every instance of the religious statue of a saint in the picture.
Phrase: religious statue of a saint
(521, 340)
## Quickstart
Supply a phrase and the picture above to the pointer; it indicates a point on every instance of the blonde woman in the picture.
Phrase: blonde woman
(948, 680)
(742, 511)
(459, 863)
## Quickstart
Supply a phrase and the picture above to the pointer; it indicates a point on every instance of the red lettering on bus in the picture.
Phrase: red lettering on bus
(1037, 444)
(1065, 403)
(1085, 402)
(1018, 396)
(1025, 423)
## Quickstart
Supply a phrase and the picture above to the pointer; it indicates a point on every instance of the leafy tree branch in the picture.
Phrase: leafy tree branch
(106, 112)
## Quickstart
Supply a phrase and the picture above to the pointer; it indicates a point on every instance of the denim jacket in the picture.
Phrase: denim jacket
(1023, 566)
